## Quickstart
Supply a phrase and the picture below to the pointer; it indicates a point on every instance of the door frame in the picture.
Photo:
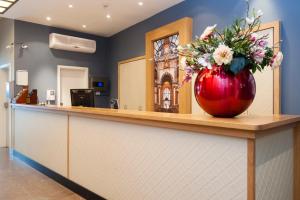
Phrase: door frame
(11, 77)
(74, 68)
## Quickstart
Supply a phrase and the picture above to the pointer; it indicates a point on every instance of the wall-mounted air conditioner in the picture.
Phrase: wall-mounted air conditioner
(70, 43)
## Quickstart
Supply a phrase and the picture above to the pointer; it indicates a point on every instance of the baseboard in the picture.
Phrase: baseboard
(83, 192)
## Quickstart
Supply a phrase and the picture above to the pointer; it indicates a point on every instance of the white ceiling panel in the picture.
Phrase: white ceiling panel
(91, 13)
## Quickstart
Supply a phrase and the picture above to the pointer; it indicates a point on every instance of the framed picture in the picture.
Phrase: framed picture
(163, 74)
(268, 83)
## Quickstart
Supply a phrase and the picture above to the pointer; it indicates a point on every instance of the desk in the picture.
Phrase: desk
(134, 155)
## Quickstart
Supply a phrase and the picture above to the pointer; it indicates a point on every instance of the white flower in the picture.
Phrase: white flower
(259, 13)
(195, 53)
(179, 48)
(205, 61)
(223, 55)
(183, 64)
(250, 20)
(277, 60)
(208, 32)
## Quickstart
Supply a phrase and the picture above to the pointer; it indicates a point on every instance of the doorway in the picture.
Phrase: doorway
(70, 78)
(4, 107)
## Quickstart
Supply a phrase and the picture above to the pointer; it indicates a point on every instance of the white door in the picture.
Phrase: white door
(132, 84)
(3, 108)
(70, 78)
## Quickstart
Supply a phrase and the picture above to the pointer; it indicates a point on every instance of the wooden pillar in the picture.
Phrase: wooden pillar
(251, 170)
(297, 162)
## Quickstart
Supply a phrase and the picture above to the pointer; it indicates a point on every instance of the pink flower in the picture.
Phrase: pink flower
(208, 32)
(186, 79)
(253, 37)
(259, 54)
(263, 43)
(188, 70)
(277, 60)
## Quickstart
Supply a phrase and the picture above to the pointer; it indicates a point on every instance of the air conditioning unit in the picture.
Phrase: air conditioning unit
(70, 43)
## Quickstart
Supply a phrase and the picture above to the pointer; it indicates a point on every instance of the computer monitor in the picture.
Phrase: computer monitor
(82, 97)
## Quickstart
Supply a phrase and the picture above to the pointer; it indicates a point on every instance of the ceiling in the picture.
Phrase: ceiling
(88, 16)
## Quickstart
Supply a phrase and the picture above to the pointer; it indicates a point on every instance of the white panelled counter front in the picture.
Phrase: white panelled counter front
(135, 155)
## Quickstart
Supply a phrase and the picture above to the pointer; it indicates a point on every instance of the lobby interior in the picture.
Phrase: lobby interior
(97, 101)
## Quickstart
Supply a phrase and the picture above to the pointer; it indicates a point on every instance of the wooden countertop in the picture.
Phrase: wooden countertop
(241, 126)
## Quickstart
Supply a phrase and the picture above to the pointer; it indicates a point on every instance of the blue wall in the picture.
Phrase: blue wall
(41, 62)
(131, 42)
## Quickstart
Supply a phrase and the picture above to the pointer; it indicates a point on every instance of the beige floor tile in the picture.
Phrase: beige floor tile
(19, 181)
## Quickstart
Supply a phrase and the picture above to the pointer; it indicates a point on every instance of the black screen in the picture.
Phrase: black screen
(82, 97)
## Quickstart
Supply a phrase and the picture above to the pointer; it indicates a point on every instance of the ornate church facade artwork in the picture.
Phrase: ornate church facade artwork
(166, 74)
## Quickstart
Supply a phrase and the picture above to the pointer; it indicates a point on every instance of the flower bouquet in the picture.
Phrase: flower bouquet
(225, 62)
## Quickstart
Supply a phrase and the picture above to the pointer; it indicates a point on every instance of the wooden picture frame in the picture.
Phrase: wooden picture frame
(183, 27)
(275, 25)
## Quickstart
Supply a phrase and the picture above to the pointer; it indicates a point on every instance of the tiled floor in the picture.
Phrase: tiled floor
(18, 181)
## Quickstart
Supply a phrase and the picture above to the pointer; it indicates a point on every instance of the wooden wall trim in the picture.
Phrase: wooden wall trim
(68, 147)
(297, 162)
(251, 170)
(184, 27)
(131, 60)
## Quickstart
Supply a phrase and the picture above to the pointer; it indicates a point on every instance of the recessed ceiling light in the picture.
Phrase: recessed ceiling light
(70, 6)
(48, 18)
(83, 26)
(6, 4)
(141, 3)
(108, 16)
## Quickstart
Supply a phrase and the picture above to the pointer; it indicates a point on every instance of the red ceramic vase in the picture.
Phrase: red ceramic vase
(223, 94)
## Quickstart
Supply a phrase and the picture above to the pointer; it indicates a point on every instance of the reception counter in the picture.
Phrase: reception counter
(134, 155)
